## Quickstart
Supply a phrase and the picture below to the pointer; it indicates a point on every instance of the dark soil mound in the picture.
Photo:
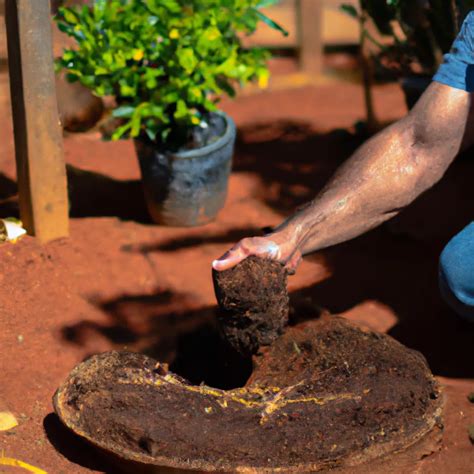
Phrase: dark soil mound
(254, 303)
(325, 394)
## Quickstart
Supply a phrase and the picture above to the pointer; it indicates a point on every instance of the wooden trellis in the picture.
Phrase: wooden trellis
(39, 153)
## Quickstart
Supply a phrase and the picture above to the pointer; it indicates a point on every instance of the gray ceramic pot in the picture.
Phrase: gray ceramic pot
(187, 188)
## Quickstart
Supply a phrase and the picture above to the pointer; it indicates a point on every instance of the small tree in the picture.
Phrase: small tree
(166, 62)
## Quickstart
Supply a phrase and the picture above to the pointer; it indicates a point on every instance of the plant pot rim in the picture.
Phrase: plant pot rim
(205, 150)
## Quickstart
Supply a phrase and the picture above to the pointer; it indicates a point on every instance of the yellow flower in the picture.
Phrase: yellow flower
(174, 33)
(212, 33)
(196, 92)
(138, 54)
(263, 77)
(195, 120)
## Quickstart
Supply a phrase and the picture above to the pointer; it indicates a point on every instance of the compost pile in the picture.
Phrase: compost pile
(322, 394)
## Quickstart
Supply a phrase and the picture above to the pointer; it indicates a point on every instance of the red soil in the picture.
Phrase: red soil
(119, 281)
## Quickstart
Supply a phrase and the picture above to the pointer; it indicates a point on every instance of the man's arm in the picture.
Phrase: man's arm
(384, 175)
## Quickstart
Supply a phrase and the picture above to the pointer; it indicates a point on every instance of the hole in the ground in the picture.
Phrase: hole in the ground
(203, 357)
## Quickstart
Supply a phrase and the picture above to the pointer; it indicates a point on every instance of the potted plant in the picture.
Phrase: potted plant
(165, 64)
(416, 33)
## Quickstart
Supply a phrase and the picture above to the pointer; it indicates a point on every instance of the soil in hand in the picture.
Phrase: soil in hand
(254, 303)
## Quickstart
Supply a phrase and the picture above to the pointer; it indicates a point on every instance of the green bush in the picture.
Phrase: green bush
(166, 62)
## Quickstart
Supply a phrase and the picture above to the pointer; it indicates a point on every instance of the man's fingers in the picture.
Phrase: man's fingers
(293, 263)
(229, 259)
(251, 246)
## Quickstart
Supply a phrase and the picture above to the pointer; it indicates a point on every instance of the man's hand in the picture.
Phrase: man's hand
(277, 246)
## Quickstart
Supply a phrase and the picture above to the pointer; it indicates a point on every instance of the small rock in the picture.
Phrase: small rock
(470, 397)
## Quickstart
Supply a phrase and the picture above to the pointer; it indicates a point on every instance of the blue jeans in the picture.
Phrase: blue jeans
(456, 273)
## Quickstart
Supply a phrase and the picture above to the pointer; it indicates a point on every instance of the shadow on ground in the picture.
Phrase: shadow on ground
(161, 327)
(90, 195)
(8, 197)
(229, 236)
(292, 160)
(73, 447)
(97, 195)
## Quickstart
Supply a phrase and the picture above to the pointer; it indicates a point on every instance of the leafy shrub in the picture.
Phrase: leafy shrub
(428, 28)
(166, 62)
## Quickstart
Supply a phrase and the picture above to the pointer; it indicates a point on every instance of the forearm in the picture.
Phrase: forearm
(385, 174)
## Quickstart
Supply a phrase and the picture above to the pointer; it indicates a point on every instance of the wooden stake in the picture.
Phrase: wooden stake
(38, 137)
(310, 20)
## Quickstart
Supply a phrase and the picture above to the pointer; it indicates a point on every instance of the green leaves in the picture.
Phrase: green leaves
(70, 16)
(267, 3)
(187, 59)
(271, 23)
(157, 6)
(151, 78)
(349, 10)
(181, 110)
(125, 111)
(210, 40)
(166, 62)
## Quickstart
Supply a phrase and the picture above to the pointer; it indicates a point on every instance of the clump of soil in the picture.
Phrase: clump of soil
(324, 394)
(254, 303)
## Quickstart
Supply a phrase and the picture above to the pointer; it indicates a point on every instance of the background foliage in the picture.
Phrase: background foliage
(166, 62)
(428, 29)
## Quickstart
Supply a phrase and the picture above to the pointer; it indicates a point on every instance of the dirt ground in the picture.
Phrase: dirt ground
(120, 282)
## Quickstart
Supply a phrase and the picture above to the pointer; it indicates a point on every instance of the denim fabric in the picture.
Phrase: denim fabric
(456, 273)
(457, 69)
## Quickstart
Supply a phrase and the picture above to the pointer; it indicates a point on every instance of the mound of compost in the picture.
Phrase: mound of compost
(325, 394)
(253, 302)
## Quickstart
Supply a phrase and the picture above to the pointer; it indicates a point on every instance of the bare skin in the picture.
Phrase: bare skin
(383, 176)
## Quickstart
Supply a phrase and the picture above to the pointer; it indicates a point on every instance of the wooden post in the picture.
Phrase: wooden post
(310, 26)
(38, 137)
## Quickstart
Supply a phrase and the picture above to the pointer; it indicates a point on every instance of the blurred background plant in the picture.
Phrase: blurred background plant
(405, 39)
(164, 62)
(415, 33)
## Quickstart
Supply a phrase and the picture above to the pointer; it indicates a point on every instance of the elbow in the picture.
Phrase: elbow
(427, 159)
(420, 172)
(430, 160)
